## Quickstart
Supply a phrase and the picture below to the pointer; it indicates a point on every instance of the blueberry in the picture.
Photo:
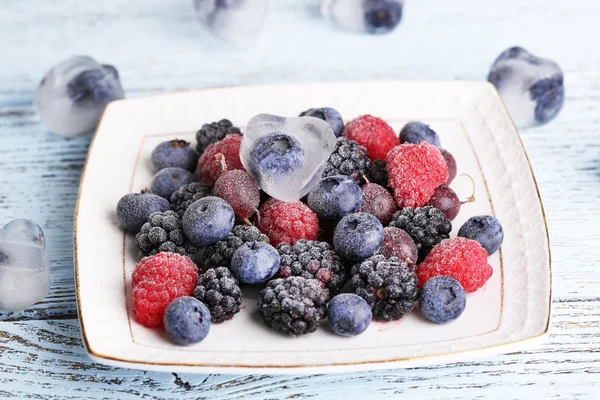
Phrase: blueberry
(276, 154)
(417, 132)
(134, 209)
(549, 95)
(442, 299)
(328, 114)
(358, 236)
(168, 180)
(486, 230)
(348, 314)
(91, 88)
(187, 320)
(208, 220)
(335, 197)
(174, 153)
(255, 262)
(382, 16)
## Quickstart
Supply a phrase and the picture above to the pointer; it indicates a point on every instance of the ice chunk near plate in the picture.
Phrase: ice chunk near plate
(72, 96)
(286, 156)
(532, 88)
(371, 16)
(24, 265)
(236, 21)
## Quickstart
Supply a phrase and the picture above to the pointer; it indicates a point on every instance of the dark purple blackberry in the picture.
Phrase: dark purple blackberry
(293, 305)
(219, 254)
(378, 173)
(387, 284)
(426, 225)
(349, 158)
(163, 232)
(213, 132)
(219, 290)
(183, 197)
(313, 260)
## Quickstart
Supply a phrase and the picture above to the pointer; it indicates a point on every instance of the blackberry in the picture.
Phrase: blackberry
(219, 290)
(293, 305)
(426, 225)
(219, 254)
(378, 173)
(213, 132)
(313, 260)
(387, 284)
(349, 158)
(163, 233)
(183, 197)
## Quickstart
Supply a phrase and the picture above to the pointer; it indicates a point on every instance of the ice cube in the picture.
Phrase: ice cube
(72, 96)
(286, 156)
(371, 16)
(24, 266)
(531, 87)
(237, 21)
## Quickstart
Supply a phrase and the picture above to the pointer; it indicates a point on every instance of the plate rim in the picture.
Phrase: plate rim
(290, 369)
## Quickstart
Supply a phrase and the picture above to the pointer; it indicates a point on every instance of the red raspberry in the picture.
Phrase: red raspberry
(287, 222)
(460, 258)
(240, 191)
(378, 201)
(210, 167)
(157, 280)
(415, 171)
(373, 133)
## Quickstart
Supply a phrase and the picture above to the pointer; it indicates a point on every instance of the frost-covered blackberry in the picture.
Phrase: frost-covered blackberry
(219, 254)
(348, 158)
(220, 291)
(213, 132)
(163, 233)
(183, 197)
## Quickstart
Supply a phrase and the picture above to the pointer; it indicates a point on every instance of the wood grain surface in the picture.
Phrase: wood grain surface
(158, 47)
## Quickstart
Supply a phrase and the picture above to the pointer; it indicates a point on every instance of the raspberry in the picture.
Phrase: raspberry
(210, 167)
(240, 191)
(460, 258)
(377, 201)
(373, 133)
(158, 280)
(415, 171)
(287, 222)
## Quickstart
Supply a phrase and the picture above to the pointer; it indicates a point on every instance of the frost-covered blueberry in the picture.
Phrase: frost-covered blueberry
(335, 197)
(358, 236)
(174, 153)
(417, 132)
(328, 114)
(187, 320)
(485, 229)
(166, 181)
(134, 209)
(348, 314)
(442, 299)
(276, 154)
(208, 220)
(255, 262)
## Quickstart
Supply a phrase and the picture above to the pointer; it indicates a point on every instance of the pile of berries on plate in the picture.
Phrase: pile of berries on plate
(368, 242)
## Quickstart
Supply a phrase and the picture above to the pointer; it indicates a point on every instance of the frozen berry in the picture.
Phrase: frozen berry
(442, 299)
(328, 114)
(415, 170)
(348, 158)
(287, 222)
(219, 254)
(275, 155)
(213, 132)
(183, 197)
(172, 268)
(240, 191)
(335, 197)
(220, 291)
(187, 320)
(378, 173)
(163, 232)
(348, 314)
(417, 132)
(462, 259)
(174, 153)
(485, 229)
(373, 133)
(134, 209)
(451, 162)
(255, 262)
(397, 243)
(445, 200)
(378, 201)
(210, 167)
(166, 181)
(208, 220)
(358, 236)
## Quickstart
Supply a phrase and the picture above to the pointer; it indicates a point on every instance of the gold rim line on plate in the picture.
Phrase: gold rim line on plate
(76, 258)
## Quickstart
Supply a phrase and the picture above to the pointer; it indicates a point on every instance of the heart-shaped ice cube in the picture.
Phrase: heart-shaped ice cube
(370, 16)
(285, 156)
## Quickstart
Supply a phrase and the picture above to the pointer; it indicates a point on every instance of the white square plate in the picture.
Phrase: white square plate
(473, 125)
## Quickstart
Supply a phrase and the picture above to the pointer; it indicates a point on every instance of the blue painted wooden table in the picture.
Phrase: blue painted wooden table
(158, 47)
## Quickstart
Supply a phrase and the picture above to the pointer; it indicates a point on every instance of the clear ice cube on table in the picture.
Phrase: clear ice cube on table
(370, 16)
(236, 21)
(285, 156)
(24, 265)
(72, 96)
(531, 87)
